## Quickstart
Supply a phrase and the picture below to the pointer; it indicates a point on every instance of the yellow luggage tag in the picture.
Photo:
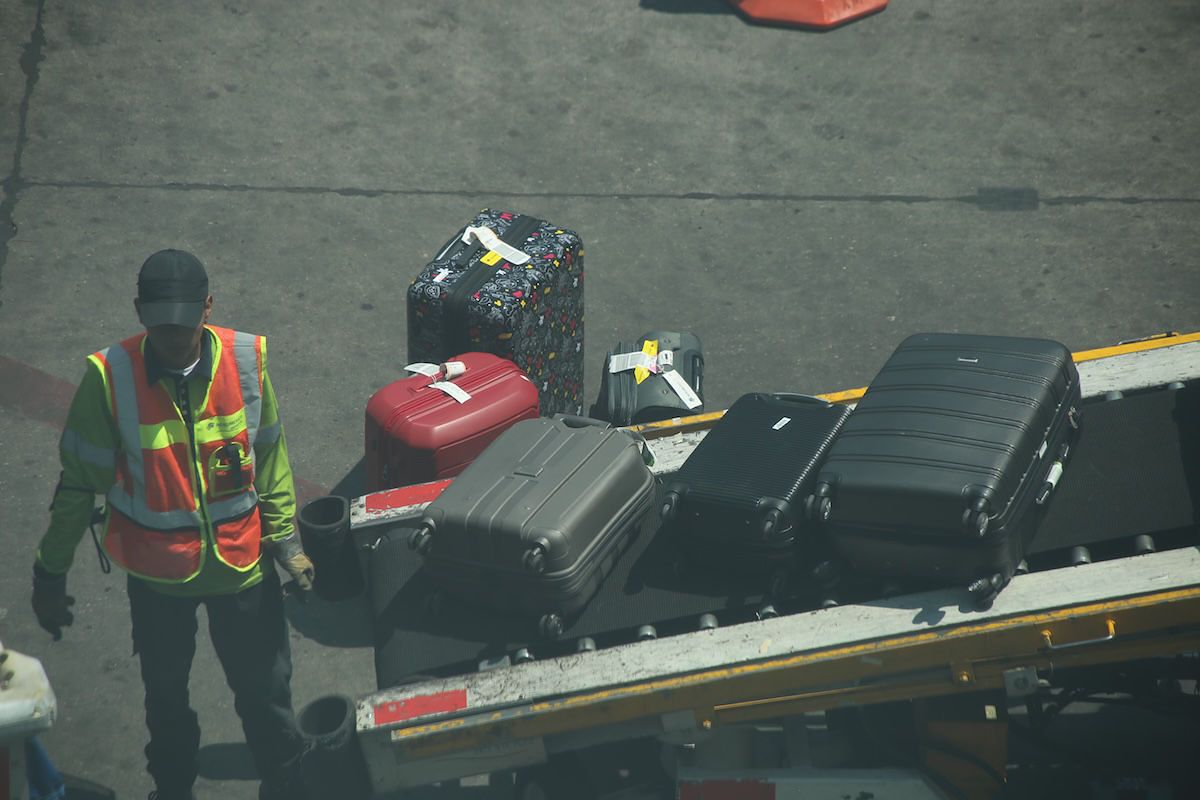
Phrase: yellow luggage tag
(650, 348)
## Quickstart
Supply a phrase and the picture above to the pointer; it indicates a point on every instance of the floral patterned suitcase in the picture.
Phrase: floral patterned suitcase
(511, 285)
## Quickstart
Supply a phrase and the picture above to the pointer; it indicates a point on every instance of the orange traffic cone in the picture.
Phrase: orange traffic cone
(809, 13)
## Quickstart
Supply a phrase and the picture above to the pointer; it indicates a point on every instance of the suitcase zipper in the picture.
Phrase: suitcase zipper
(475, 276)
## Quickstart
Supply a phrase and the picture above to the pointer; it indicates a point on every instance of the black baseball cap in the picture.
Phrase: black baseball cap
(172, 288)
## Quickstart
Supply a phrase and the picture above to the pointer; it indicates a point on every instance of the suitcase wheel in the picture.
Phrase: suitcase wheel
(984, 590)
(550, 626)
(978, 521)
(535, 559)
(818, 508)
(522, 656)
(585, 645)
(774, 524)
(1080, 555)
(646, 633)
(825, 574)
(669, 507)
(1143, 544)
(421, 539)
(829, 601)
(708, 622)
(825, 509)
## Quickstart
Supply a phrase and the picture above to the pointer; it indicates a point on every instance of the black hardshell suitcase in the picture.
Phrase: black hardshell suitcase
(740, 498)
(942, 469)
(624, 401)
(538, 520)
(470, 298)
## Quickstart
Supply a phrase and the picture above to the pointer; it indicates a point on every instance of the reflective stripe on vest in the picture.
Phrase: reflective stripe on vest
(156, 530)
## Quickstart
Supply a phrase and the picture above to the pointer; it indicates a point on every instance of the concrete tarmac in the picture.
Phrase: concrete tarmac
(802, 201)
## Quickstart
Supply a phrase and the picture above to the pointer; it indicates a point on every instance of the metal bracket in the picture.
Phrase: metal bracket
(1020, 681)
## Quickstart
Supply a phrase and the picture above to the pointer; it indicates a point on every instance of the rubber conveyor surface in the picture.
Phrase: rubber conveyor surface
(1135, 470)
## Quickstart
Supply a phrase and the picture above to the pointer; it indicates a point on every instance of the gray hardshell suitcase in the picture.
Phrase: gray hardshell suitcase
(538, 520)
(943, 467)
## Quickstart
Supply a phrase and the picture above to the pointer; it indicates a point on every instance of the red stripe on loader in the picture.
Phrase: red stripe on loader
(726, 790)
(420, 494)
(420, 706)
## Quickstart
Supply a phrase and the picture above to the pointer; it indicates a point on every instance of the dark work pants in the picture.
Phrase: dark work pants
(250, 634)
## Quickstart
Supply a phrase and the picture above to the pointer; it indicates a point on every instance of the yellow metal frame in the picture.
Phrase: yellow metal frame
(920, 664)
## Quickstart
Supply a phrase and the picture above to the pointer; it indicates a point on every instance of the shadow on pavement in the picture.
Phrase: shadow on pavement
(228, 761)
(687, 6)
(82, 789)
(346, 623)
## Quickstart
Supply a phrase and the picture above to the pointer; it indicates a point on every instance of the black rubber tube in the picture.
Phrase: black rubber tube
(325, 532)
(333, 766)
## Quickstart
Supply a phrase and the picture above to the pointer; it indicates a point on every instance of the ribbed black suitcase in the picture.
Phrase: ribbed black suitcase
(626, 400)
(511, 285)
(943, 469)
(538, 520)
(740, 498)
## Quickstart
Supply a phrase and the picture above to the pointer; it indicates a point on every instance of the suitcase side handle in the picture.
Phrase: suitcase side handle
(794, 397)
(575, 421)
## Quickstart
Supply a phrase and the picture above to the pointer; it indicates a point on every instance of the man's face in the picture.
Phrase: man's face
(177, 346)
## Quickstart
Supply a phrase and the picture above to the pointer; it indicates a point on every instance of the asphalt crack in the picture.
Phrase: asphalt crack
(11, 186)
(984, 198)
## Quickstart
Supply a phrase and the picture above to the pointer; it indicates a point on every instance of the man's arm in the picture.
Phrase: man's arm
(87, 451)
(277, 491)
(273, 473)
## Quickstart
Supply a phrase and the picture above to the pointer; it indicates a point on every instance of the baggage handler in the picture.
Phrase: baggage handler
(179, 429)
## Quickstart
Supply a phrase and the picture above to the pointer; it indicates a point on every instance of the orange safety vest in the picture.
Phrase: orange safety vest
(166, 502)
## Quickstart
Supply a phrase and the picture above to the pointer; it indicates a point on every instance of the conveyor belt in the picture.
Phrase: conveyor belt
(1135, 470)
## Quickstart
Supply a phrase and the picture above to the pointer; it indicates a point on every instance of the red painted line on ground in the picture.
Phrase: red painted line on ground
(34, 393)
(45, 398)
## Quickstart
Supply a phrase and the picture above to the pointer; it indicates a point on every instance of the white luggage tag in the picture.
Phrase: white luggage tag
(453, 389)
(448, 372)
(627, 361)
(488, 238)
(676, 382)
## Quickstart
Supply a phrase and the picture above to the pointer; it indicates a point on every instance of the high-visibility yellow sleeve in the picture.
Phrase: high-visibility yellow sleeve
(87, 451)
(273, 473)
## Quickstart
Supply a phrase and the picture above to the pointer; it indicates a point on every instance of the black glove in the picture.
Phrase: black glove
(51, 603)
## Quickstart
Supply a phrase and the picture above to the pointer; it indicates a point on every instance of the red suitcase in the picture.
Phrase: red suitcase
(433, 424)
